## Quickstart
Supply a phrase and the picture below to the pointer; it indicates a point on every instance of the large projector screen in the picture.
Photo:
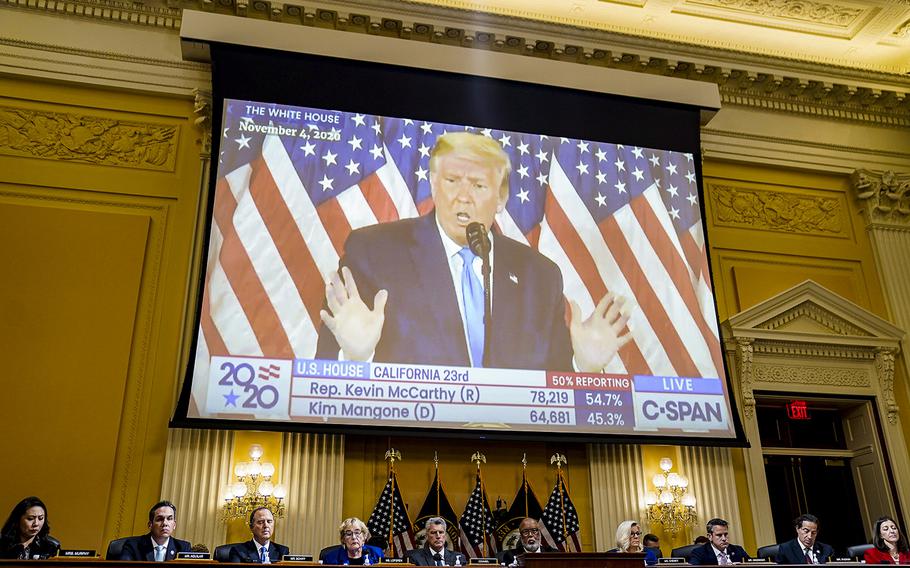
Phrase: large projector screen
(336, 296)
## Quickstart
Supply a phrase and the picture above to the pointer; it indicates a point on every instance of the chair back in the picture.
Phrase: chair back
(684, 551)
(858, 550)
(222, 553)
(770, 552)
(325, 551)
(115, 549)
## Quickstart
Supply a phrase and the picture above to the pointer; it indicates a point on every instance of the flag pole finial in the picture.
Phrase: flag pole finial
(559, 460)
(524, 460)
(478, 458)
(435, 460)
(392, 455)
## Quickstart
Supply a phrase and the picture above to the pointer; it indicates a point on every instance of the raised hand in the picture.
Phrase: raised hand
(597, 339)
(356, 327)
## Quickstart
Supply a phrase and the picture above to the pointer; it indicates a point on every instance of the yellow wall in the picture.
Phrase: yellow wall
(98, 194)
(99, 197)
(238, 530)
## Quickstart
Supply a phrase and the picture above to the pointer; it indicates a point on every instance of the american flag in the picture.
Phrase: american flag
(561, 520)
(476, 523)
(614, 218)
(390, 519)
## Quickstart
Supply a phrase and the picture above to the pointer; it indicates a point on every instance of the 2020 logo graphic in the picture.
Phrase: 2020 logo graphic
(243, 375)
(248, 385)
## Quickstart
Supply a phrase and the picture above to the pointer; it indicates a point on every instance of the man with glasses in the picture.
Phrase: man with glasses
(260, 549)
(434, 551)
(718, 549)
(529, 531)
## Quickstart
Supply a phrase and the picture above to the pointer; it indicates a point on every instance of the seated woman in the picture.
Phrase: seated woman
(889, 545)
(353, 535)
(628, 539)
(25, 535)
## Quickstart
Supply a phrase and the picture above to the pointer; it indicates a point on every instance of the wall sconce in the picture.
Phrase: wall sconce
(671, 506)
(254, 488)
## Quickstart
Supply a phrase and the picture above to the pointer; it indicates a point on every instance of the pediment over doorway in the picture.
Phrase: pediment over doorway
(808, 312)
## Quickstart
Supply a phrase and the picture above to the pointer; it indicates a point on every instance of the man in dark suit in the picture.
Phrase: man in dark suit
(718, 550)
(411, 291)
(158, 545)
(434, 551)
(529, 543)
(260, 549)
(804, 549)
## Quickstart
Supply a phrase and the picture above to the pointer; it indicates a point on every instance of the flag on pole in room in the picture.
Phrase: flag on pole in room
(476, 524)
(525, 505)
(437, 505)
(561, 519)
(390, 519)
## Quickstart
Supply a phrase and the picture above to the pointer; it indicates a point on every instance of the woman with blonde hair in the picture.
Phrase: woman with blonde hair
(354, 550)
(628, 539)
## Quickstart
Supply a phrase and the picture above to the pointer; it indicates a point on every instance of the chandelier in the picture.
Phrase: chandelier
(670, 506)
(254, 488)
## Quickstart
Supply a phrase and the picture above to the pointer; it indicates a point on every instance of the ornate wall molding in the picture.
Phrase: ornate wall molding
(823, 317)
(828, 13)
(799, 349)
(884, 364)
(202, 107)
(743, 355)
(89, 139)
(775, 210)
(792, 87)
(885, 197)
(802, 375)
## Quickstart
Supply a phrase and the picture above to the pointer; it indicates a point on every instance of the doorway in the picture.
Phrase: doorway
(826, 461)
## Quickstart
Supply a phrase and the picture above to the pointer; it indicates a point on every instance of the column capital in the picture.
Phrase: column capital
(885, 197)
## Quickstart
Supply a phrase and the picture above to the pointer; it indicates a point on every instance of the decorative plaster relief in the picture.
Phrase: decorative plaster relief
(743, 358)
(827, 13)
(89, 139)
(202, 108)
(802, 375)
(886, 196)
(884, 365)
(775, 211)
(823, 317)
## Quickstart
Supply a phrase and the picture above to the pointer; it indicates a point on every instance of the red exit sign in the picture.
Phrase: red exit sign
(797, 410)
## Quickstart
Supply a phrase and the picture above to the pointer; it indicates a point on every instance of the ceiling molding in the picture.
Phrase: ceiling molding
(745, 79)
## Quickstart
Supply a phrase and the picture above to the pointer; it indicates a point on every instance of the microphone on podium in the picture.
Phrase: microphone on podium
(478, 240)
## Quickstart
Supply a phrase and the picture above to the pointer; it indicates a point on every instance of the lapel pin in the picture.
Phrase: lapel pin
(513, 278)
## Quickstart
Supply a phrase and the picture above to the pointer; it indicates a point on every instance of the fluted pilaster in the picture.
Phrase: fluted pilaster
(617, 489)
(312, 467)
(196, 467)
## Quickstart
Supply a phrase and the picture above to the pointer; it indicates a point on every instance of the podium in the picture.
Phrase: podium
(585, 560)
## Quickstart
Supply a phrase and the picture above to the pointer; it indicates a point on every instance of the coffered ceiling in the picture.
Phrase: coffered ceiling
(872, 35)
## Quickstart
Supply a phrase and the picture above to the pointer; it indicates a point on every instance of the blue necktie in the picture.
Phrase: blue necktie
(472, 297)
(262, 555)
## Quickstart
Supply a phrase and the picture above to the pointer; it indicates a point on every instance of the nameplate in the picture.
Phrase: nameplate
(671, 560)
(392, 561)
(845, 560)
(77, 553)
(192, 555)
(483, 561)
(297, 558)
(758, 560)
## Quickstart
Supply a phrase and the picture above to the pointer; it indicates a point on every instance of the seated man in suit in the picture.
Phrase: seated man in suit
(718, 550)
(411, 291)
(158, 545)
(529, 532)
(651, 541)
(804, 549)
(434, 551)
(260, 549)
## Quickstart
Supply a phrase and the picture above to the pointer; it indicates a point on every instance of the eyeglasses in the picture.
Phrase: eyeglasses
(528, 532)
(633, 533)
(349, 534)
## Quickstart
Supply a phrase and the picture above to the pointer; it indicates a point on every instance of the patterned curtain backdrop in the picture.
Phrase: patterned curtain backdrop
(711, 480)
(312, 468)
(618, 488)
(196, 467)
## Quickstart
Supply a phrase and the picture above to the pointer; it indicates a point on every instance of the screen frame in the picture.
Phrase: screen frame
(357, 68)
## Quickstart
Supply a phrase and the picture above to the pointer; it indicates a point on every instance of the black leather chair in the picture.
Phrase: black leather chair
(115, 549)
(857, 550)
(769, 552)
(684, 551)
(326, 550)
(223, 552)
